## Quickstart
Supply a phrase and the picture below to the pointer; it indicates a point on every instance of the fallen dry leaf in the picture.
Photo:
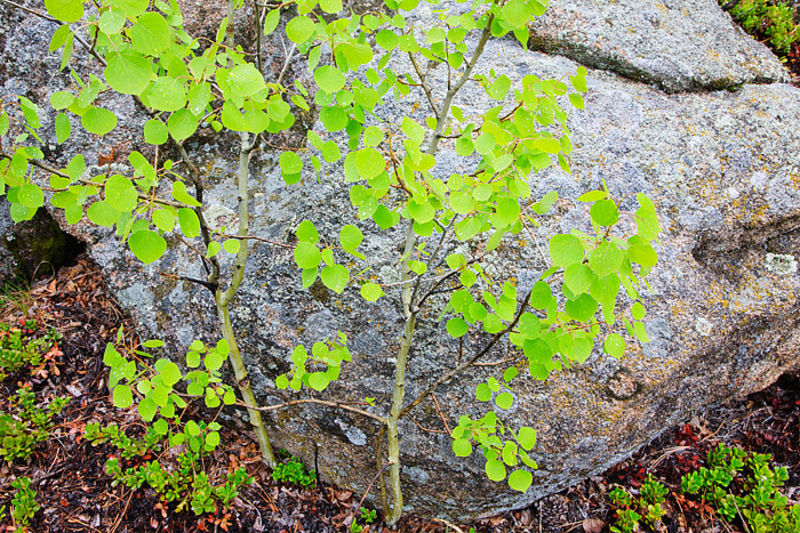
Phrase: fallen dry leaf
(593, 525)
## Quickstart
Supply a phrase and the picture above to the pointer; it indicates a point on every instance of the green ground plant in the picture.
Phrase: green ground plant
(646, 507)
(295, 472)
(27, 424)
(774, 20)
(182, 479)
(587, 297)
(23, 503)
(744, 486)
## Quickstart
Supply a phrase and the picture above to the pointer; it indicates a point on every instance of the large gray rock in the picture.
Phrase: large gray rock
(723, 169)
(679, 45)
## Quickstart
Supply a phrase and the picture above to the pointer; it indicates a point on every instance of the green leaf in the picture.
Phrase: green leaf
(132, 8)
(543, 206)
(98, 121)
(271, 20)
(307, 232)
(638, 311)
(169, 372)
(166, 94)
(232, 246)
(300, 29)
(565, 250)
(371, 291)
(189, 223)
(122, 396)
(387, 40)
(245, 80)
(462, 447)
(180, 194)
(318, 381)
(578, 278)
(291, 166)
(605, 259)
(335, 277)
(373, 136)
(643, 254)
(614, 345)
(520, 480)
(369, 163)
(350, 237)
(593, 196)
(112, 21)
(457, 327)
(128, 72)
(121, 193)
(147, 409)
(61, 100)
(182, 124)
(307, 255)
(495, 470)
(63, 128)
(526, 437)
(212, 439)
(499, 88)
(604, 213)
(65, 10)
(147, 245)
(329, 78)
(102, 214)
(30, 195)
(581, 308)
(576, 100)
(150, 34)
(504, 400)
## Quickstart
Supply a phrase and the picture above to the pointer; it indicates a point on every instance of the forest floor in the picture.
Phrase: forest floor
(75, 493)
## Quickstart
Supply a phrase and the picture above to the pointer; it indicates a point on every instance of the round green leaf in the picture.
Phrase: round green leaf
(457, 327)
(495, 470)
(30, 195)
(369, 163)
(307, 255)
(329, 78)
(167, 94)
(150, 34)
(371, 291)
(581, 308)
(643, 254)
(128, 72)
(604, 212)
(350, 237)
(121, 193)
(462, 447)
(335, 277)
(147, 409)
(300, 29)
(155, 132)
(565, 250)
(318, 381)
(504, 400)
(614, 345)
(483, 393)
(526, 437)
(147, 245)
(520, 480)
(182, 124)
(245, 80)
(61, 100)
(102, 214)
(387, 39)
(169, 372)
(190, 224)
(212, 439)
(123, 396)
(99, 121)
(111, 21)
(290, 163)
(307, 232)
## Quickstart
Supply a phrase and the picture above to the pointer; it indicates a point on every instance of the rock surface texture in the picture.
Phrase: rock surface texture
(724, 171)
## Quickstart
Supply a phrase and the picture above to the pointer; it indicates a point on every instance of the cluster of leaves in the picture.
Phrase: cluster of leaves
(768, 18)
(186, 484)
(328, 355)
(154, 385)
(647, 506)
(23, 504)
(295, 472)
(18, 349)
(27, 424)
(368, 516)
(744, 485)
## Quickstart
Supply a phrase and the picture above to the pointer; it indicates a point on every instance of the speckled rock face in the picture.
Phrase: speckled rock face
(724, 171)
(679, 45)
